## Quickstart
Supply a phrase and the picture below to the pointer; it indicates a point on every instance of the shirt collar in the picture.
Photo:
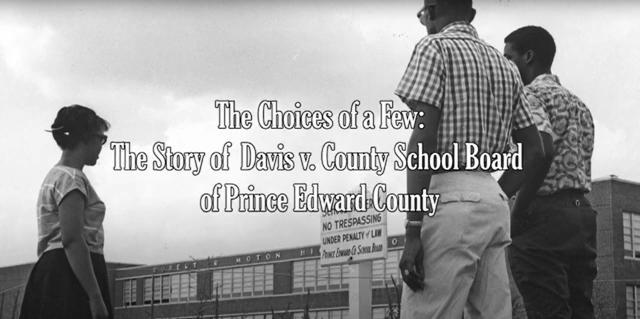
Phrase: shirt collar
(546, 77)
(460, 26)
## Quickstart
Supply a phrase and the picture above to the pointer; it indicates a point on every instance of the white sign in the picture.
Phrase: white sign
(350, 236)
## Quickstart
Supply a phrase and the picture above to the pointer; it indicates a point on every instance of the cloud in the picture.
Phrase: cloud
(25, 50)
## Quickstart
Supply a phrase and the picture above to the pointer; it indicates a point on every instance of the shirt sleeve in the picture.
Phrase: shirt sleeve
(68, 183)
(522, 116)
(423, 80)
(540, 116)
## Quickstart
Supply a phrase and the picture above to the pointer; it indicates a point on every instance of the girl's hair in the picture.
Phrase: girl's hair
(75, 124)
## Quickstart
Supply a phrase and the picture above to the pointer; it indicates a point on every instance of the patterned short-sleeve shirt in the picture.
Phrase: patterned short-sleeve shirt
(478, 91)
(540, 117)
(572, 133)
(58, 183)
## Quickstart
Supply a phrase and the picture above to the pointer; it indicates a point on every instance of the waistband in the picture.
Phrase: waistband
(60, 251)
(565, 197)
(475, 181)
(58, 245)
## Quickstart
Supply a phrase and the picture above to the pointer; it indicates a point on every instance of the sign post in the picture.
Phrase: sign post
(360, 290)
(355, 237)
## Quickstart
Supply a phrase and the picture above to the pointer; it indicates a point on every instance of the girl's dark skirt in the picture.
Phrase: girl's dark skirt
(54, 292)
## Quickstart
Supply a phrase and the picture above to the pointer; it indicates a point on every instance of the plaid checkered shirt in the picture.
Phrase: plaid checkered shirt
(478, 91)
(572, 131)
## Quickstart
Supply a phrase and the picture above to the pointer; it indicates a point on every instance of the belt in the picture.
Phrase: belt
(442, 171)
(564, 197)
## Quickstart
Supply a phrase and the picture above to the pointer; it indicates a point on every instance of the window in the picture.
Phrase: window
(126, 293)
(247, 279)
(260, 316)
(237, 281)
(323, 277)
(298, 275)
(631, 234)
(175, 288)
(216, 288)
(258, 282)
(147, 290)
(309, 275)
(633, 306)
(345, 276)
(184, 286)
(129, 292)
(391, 267)
(157, 289)
(193, 286)
(378, 313)
(134, 291)
(331, 314)
(384, 269)
(377, 272)
(166, 288)
(226, 282)
(384, 312)
(335, 276)
(171, 288)
(243, 281)
(268, 279)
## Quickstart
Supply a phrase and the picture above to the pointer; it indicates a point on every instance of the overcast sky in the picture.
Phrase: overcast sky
(155, 70)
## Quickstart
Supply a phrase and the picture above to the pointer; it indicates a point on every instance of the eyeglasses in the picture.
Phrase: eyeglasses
(103, 138)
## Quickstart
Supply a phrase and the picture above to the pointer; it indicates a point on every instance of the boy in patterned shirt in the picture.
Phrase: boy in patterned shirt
(554, 244)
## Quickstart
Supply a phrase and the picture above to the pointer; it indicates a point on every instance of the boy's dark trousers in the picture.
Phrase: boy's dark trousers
(553, 257)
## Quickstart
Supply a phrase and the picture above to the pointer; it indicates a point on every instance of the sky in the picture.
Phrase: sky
(154, 71)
